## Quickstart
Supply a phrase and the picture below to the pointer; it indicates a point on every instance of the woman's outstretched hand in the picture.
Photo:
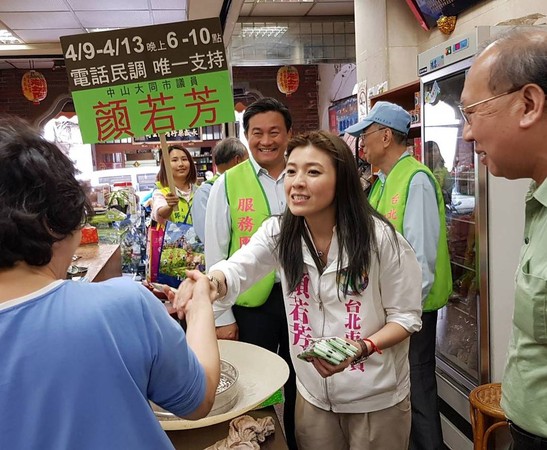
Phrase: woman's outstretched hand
(196, 288)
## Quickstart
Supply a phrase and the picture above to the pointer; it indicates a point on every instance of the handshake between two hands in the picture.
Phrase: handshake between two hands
(195, 289)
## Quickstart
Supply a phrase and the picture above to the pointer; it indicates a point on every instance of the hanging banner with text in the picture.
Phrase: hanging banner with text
(147, 80)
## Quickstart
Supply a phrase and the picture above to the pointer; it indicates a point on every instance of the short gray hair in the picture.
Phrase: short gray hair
(398, 137)
(522, 59)
(228, 149)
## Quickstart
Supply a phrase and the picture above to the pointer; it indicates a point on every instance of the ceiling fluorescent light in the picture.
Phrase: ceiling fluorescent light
(6, 37)
(97, 30)
(263, 31)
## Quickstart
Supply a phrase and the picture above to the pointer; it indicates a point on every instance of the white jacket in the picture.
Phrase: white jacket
(318, 308)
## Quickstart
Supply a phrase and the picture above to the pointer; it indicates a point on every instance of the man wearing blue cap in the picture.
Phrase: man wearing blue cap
(407, 193)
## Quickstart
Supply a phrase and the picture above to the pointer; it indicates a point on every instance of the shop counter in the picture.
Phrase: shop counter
(200, 438)
(103, 261)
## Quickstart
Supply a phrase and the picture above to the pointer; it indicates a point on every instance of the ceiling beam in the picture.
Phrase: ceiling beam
(231, 20)
(203, 9)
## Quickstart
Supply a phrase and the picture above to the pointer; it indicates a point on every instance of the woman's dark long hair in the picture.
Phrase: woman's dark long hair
(355, 224)
(192, 174)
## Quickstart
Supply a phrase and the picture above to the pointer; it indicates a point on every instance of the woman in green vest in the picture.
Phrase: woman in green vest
(185, 176)
(164, 202)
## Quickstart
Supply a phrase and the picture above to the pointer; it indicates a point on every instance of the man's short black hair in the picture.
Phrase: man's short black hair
(263, 105)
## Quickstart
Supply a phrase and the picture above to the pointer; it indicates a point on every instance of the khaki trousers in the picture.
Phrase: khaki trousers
(387, 429)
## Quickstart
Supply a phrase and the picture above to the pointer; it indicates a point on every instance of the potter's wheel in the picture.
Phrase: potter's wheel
(260, 374)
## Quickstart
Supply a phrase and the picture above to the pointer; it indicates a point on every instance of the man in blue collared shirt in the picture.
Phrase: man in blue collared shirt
(408, 194)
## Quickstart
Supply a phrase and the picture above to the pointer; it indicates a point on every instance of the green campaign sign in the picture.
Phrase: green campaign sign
(147, 80)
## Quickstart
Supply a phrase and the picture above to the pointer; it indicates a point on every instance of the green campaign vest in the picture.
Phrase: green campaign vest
(182, 214)
(249, 207)
(212, 180)
(390, 200)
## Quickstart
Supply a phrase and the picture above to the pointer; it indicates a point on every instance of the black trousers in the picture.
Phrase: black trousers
(425, 431)
(522, 440)
(266, 326)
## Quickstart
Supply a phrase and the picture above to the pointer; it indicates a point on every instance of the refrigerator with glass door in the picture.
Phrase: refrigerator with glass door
(476, 218)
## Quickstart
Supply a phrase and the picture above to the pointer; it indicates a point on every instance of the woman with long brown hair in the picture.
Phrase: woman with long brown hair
(185, 176)
(345, 273)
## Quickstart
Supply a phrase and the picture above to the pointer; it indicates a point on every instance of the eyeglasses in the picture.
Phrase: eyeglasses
(83, 221)
(467, 115)
(362, 136)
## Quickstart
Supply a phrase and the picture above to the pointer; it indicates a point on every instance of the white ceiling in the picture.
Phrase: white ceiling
(298, 8)
(40, 23)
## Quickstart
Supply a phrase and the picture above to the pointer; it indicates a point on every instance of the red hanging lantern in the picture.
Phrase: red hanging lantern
(34, 86)
(288, 80)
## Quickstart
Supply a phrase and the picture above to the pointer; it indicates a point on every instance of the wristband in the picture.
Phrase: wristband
(373, 347)
(365, 353)
(216, 282)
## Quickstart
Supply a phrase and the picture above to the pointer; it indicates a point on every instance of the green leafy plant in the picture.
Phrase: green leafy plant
(118, 199)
